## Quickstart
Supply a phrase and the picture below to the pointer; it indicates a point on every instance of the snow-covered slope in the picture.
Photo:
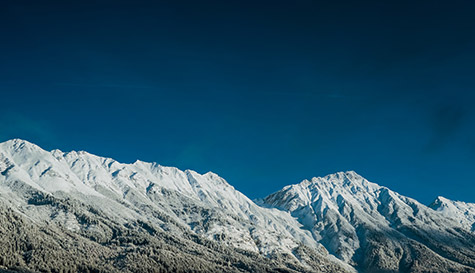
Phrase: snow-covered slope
(163, 196)
(462, 213)
(373, 227)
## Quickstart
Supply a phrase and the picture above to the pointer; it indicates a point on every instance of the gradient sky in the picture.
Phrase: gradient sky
(264, 93)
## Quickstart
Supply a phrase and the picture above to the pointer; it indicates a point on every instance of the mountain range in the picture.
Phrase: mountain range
(78, 212)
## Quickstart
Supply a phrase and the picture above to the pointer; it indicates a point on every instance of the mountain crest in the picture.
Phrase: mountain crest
(18, 144)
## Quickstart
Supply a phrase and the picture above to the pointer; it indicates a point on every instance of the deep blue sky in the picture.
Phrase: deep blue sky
(264, 93)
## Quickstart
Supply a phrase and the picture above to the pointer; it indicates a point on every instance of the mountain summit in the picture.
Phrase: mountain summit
(96, 214)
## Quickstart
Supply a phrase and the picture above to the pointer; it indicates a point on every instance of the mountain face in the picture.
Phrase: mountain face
(109, 216)
(378, 230)
(77, 212)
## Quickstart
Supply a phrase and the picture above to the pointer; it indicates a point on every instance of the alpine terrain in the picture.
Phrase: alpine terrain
(77, 212)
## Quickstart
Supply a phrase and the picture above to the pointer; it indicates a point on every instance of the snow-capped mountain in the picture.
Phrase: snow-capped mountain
(106, 183)
(374, 228)
(147, 217)
(165, 197)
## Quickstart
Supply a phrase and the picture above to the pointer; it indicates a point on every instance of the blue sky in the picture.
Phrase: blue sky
(264, 93)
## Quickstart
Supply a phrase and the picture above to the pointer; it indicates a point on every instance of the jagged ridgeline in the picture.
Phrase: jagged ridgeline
(77, 212)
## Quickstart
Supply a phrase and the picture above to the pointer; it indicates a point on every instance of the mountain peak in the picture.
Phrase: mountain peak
(439, 200)
(343, 176)
(341, 180)
(18, 144)
(337, 178)
(462, 211)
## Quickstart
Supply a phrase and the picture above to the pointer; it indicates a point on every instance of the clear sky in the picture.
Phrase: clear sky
(264, 93)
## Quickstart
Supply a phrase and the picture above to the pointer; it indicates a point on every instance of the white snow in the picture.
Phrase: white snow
(108, 184)
(334, 206)
(461, 212)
